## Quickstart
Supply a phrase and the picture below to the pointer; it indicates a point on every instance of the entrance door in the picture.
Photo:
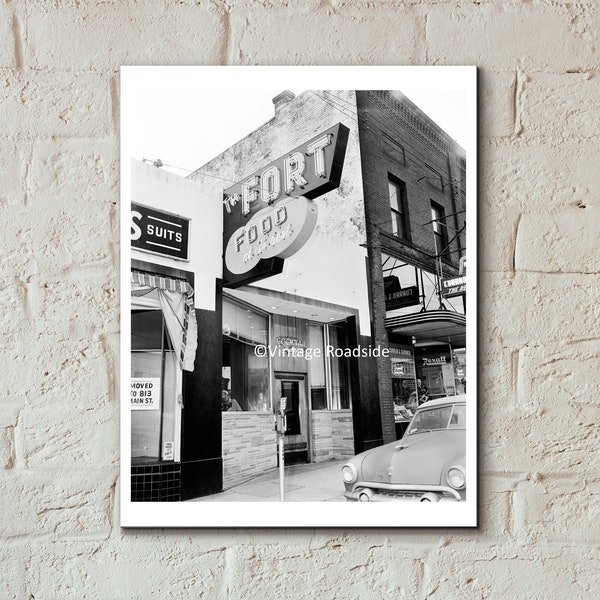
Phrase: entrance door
(296, 441)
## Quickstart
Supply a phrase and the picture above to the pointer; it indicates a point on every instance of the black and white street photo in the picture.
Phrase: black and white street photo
(298, 319)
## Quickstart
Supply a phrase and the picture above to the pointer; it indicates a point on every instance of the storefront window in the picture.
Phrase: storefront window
(410, 276)
(245, 380)
(257, 398)
(246, 376)
(340, 389)
(316, 368)
(459, 360)
(436, 370)
(403, 381)
(152, 362)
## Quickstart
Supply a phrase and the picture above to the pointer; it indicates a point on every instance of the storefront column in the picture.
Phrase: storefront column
(202, 463)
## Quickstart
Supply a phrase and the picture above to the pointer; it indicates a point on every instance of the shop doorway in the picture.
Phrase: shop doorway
(297, 433)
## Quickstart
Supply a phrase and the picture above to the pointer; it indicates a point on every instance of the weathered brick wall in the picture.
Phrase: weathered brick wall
(415, 145)
(341, 212)
(418, 144)
(539, 297)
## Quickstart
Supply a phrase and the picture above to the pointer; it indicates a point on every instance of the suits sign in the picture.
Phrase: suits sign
(270, 215)
(159, 232)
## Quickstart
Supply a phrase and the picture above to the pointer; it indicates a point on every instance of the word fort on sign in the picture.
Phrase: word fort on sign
(270, 215)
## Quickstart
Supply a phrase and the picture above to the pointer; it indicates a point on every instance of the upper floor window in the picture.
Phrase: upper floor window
(399, 208)
(440, 231)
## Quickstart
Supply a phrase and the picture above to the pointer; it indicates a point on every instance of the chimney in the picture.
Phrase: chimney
(283, 98)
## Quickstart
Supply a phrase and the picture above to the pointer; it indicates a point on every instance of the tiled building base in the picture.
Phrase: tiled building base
(156, 483)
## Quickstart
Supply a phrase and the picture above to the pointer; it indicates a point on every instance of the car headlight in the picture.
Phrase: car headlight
(456, 477)
(349, 473)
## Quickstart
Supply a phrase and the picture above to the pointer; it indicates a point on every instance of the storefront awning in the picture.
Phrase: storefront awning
(431, 326)
(177, 303)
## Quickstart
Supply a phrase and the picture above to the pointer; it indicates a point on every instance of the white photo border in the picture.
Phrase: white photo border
(136, 80)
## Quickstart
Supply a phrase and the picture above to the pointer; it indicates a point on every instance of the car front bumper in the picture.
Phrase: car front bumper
(382, 492)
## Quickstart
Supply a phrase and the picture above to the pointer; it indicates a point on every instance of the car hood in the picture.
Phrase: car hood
(416, 459)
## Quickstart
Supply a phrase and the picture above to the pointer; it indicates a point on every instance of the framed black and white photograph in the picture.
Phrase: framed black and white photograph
(298, 321)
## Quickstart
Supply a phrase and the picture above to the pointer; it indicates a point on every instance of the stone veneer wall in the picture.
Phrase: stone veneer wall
(332, 435)
(249, 446)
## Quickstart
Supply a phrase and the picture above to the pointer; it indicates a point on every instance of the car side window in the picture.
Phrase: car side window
(458, 418)
(428, 420)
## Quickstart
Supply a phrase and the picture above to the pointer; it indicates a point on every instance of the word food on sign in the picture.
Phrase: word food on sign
(280, 230)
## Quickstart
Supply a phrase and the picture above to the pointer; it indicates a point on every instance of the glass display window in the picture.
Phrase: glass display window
(316, 367)
(427, 283)
(340, 381)
(245, 382)
(155, 382)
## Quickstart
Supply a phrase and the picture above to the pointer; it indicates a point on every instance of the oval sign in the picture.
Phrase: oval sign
(278, 230)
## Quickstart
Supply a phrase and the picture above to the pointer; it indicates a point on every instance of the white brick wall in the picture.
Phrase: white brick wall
(100, 37)
(319, 35)
(539, 297)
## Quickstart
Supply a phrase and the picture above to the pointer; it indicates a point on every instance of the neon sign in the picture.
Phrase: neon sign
(269, 215)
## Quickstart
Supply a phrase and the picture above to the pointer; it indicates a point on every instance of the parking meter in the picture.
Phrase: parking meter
(280, 418)
(280, 426)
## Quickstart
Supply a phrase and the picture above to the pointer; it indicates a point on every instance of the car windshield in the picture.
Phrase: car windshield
(443, 417)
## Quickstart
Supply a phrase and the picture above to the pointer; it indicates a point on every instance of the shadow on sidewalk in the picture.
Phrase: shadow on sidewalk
(317, 482)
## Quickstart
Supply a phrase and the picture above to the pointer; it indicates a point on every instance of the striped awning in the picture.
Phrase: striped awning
(163, 283)
(177, 303)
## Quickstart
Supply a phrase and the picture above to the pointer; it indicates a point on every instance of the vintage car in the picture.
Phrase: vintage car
(427, 464)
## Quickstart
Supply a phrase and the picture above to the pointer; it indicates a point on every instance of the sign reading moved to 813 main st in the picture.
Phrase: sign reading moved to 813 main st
(145, 393)
(159, 232)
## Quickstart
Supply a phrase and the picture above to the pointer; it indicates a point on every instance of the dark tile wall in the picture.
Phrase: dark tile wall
(156, 483)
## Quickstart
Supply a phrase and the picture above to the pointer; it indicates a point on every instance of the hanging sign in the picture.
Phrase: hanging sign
(269, 215)
(159, 232)
(145, 393)
(397, 297)
(454, 287)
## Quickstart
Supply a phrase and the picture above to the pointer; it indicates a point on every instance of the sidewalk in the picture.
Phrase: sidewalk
(319, 482)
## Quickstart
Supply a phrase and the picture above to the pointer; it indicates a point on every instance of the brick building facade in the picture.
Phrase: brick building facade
(401, 145)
